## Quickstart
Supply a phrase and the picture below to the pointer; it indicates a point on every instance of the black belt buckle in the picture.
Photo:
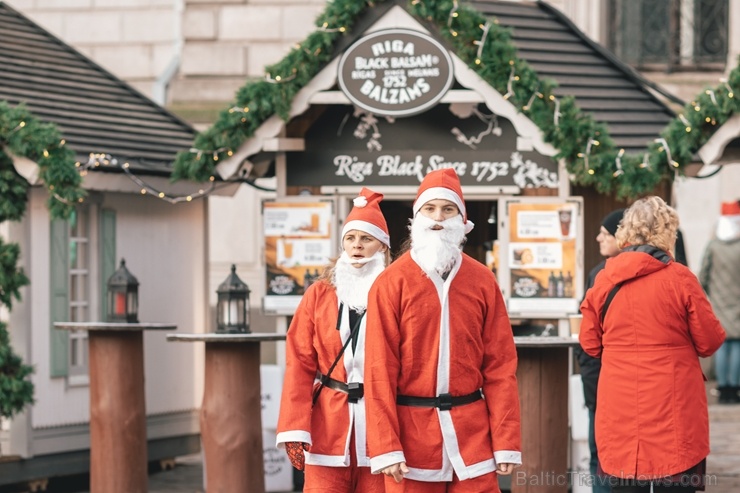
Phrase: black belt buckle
(355, 391)
(444, 402)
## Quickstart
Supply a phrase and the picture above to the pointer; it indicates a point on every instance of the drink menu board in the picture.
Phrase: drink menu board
(541, 255)
(298, 244)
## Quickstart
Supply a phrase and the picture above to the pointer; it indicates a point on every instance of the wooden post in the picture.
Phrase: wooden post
(118, 453)
(230, 419)
(231, 413)
(118, 446)
(543, 394)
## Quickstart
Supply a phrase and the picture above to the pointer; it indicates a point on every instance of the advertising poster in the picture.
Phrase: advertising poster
(298, 243)
(542, 256)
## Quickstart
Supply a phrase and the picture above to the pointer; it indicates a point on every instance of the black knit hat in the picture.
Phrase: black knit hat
(611, 221)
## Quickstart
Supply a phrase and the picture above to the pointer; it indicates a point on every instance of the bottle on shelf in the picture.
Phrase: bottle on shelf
(560, 286)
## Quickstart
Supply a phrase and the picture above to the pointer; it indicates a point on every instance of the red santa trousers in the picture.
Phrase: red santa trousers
(488, 483)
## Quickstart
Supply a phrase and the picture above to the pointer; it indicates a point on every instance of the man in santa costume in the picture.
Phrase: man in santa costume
(322, 412)
(441, 389)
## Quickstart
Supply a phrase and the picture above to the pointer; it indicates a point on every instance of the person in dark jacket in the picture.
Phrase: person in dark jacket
(649, 321)
(590, 367)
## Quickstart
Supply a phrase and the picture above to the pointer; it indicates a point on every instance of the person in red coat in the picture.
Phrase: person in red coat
(322, 412)
(649, 321)
(441, 386)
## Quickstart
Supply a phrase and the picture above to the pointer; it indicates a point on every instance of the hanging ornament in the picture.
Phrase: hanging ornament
(618, 160)
(685, 122)
(482, 41)
(535, 94)
(510, 82)
(453, 13)
(664, 147)
(591, 142)
(492, 128)
(710, 93)
(645, 161)
(730, 94)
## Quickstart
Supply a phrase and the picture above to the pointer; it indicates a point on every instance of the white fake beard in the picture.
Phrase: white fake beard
(353, 283)
(436, 250)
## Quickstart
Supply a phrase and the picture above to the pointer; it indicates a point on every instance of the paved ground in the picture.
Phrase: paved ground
(723, 463)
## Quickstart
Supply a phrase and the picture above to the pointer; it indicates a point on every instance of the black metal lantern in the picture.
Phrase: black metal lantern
(123, 296)
(232, 310)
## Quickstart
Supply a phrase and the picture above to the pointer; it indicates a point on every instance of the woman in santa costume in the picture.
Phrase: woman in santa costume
(441, 384)
(322, 412)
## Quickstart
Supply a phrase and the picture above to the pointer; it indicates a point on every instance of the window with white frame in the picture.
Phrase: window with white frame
(79, 292)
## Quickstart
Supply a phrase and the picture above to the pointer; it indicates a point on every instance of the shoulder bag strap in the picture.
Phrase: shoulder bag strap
(325, 378)
(608, 301)
(650, 250)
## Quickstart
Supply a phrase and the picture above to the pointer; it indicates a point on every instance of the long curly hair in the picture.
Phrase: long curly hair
(649, 221)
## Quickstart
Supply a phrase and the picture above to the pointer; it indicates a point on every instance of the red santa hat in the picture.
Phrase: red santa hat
(731, 208)
(728, 224)
(366, 216)
(442, 184)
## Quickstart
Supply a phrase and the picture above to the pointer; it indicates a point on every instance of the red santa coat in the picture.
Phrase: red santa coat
(651, 411)
(427, 336)
(312, 344)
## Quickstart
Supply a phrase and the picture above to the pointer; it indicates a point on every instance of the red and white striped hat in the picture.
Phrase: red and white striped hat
(366, 216)
(443, 184)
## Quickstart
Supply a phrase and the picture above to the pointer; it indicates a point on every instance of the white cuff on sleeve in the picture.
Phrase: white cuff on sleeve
(380, 462)
(508, 457)
(292, 436)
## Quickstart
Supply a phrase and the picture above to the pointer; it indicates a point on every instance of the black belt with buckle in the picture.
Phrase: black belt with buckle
(355, 390)
(444, 402)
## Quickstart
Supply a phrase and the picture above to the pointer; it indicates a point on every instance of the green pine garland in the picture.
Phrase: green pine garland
(256, 101)
(24, 135)
(16, 388)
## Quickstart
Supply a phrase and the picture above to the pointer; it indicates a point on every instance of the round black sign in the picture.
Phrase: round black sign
(395, 72)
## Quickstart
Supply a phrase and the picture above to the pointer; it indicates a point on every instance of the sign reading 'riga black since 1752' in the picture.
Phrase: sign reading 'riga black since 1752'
(395, 72)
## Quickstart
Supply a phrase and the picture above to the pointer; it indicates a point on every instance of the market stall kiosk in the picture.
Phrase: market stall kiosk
(392, 107)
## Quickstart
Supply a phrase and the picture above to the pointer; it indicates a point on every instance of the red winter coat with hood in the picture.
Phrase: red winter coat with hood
(651, 412)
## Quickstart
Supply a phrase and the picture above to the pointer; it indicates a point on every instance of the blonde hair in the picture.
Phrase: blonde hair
(649, 221)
